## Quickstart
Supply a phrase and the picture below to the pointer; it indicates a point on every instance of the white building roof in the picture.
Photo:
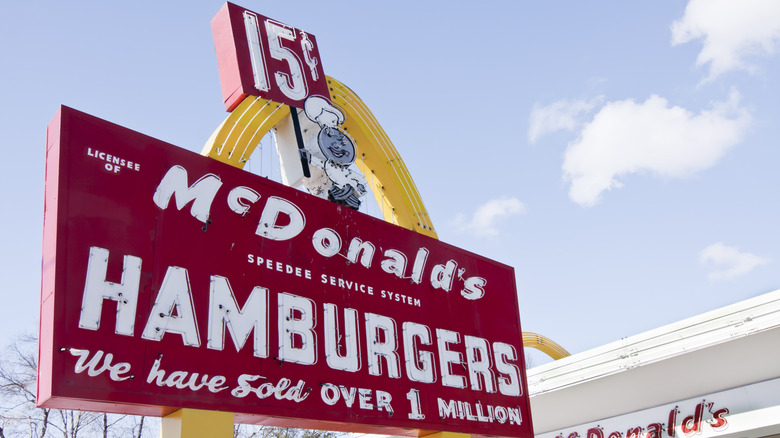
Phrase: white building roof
(727, 348)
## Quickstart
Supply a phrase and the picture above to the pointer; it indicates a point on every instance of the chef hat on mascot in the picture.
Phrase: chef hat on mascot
(319, 110)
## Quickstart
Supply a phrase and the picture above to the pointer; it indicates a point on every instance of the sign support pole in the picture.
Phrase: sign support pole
(448, 435)
(197, 423)
(299, 140)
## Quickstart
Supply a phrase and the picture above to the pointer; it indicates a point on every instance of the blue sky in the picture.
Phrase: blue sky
(621, 156)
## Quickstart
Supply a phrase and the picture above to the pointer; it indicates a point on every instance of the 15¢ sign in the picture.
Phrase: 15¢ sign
(259, 56)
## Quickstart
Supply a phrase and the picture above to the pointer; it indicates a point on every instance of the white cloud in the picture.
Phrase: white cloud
(560, 115)
(626, 137)
(728, 262)
(732, 31)
(485, 219)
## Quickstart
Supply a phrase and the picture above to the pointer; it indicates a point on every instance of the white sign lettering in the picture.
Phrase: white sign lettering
(488, 366)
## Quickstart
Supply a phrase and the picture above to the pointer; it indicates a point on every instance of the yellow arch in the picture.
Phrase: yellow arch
(237, 137)
(545, 345)
(394, 190)
(392, 185)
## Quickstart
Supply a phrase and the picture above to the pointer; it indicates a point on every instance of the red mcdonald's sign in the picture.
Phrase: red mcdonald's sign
(172, 280)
